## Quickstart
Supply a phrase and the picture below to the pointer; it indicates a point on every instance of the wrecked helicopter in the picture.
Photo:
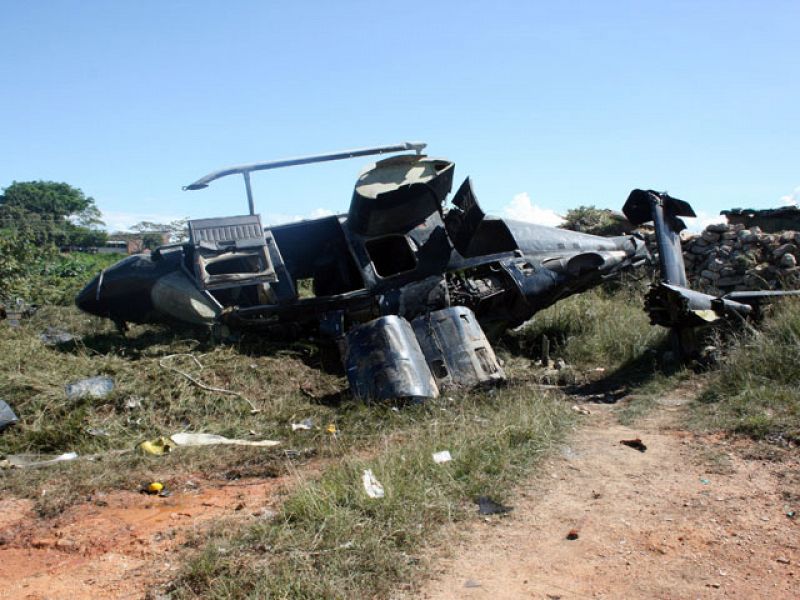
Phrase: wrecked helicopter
(410, 288)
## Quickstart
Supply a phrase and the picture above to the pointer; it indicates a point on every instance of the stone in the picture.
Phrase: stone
(710, 275)
(746, 236)
(783, 249)
(715, 264)
(710, 236)
(717, 228)
(788, 261)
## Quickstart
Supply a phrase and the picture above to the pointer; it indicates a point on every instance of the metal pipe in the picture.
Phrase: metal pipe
(250, 203)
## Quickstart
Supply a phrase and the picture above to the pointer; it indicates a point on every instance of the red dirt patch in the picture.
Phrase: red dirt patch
(120, 544)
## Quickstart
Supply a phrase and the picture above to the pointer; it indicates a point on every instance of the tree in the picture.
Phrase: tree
(176, 230)
(597, 221)
(49, 212)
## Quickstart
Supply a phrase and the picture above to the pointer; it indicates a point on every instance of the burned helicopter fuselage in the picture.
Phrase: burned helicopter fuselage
(404, 284)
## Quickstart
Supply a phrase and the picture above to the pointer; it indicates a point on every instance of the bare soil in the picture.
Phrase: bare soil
(119, 545)
(691, 517)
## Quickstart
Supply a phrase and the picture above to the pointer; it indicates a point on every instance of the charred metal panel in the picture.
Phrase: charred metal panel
(541, 241)
(318, 250)
(383, 361)
(456, 349)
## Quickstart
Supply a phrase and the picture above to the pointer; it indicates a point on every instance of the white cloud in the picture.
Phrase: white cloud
(792, 199)
(522, 209)
(123, 221)
(703, 220)
(283, 218)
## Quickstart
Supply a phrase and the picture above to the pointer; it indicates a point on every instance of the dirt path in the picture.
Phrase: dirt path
(120, 545)
(688, 518)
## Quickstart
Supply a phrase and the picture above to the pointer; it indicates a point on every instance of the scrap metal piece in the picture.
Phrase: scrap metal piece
(383, 361)
(7, 416)
(456, 348)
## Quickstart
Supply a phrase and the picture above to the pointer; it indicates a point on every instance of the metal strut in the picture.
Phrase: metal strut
(245, 170)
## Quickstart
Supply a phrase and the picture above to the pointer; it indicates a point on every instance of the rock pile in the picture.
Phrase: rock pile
(729, 257)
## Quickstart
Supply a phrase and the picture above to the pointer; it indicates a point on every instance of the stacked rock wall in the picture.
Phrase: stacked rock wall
(730, 257)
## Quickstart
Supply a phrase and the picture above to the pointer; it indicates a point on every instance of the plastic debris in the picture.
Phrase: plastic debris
(7, 416)
(331, 428)
(133, 403)
(471, 583)
(155, 488)
(97, 432)
(581, 410)
(372, 486)
(442, 457)
(791, 514)
(705, 481)
(636, 444)
(164, 445)
(304, 425)
(53, 337)
(32, 461)
(487, 506)
(157, 447)
(573, 534)
(209, 439)
(93, 387)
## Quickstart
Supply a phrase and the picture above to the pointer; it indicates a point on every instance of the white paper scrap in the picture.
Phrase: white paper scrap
(372, 486)
(442, 457)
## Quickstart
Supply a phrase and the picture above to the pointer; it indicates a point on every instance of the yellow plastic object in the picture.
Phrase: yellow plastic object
(155, 487)
(331, 428)
(157, 447)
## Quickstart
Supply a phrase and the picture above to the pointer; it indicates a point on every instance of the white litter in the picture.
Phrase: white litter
(372, 486)
(442, 457)
(303, 425)
(209, 439)
(23, 461)
(94, 387)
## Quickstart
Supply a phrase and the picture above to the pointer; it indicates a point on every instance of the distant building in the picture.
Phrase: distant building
(123, 242)
(114, 247)
(770, 220)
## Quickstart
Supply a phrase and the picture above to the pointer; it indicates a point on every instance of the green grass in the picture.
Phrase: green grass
(330, 540)
(597, 328)
(755, 390)
(49, 277)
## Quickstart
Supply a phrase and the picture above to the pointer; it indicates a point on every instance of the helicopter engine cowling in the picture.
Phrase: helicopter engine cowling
(395, 194)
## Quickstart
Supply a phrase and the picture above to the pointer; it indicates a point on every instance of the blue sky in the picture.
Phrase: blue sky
(546, 105)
